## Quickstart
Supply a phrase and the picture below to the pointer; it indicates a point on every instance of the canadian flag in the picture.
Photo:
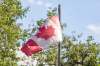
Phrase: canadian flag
(47, 34)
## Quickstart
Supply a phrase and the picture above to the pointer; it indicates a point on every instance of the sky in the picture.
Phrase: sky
(81, 16)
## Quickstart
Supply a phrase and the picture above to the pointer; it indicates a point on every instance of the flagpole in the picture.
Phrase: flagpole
(58, 58)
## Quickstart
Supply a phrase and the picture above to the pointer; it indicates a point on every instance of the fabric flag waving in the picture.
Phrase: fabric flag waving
(48, 33)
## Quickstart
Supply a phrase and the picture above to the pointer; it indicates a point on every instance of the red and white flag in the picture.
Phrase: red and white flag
(47, 34)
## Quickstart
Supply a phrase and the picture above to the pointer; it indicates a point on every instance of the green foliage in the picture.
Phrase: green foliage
(52, 12)
(80, 53)
(10, 11)
(40, 22)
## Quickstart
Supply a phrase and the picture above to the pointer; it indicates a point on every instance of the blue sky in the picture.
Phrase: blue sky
(82, 16)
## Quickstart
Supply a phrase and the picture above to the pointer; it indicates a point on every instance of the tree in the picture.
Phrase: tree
(10, 11)
(80, 53)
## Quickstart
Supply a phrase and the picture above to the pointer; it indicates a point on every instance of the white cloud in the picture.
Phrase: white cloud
(95, 29)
